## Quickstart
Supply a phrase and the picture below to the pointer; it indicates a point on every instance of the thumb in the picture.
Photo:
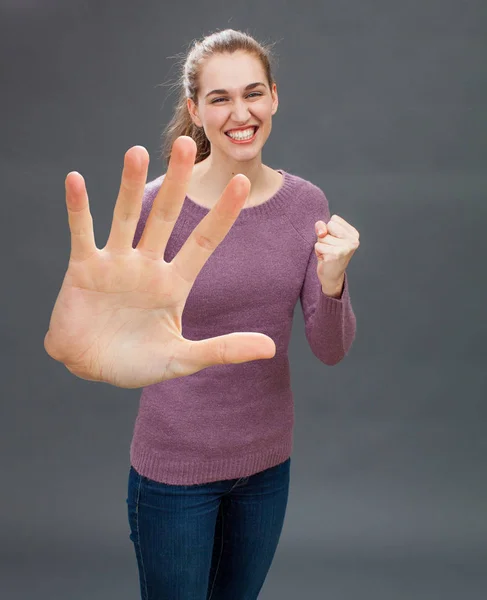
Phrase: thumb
(321, 229)
(231, 348)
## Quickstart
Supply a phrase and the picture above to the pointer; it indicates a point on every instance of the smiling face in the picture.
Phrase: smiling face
(237, 107)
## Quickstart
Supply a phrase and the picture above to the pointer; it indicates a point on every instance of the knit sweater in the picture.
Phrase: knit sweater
(231, 421)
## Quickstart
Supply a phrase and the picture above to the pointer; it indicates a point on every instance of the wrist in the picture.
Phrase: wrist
(333, 289)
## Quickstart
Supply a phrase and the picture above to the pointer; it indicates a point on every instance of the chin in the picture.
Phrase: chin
(248, 157)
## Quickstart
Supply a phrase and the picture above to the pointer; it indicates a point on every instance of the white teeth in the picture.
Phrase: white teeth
(246, 134)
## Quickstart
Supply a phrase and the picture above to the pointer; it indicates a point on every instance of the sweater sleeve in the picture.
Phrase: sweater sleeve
(330, 323)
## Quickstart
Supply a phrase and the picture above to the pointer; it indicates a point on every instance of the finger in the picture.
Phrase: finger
(347, 225)
(170, 198)
(212, 229)
(328, 241)
(79, 217)
(320, 226)
(335, 252)
(338, 230)
(127, 209)
(231, 348)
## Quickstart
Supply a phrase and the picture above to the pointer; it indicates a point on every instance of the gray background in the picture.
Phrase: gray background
(383, 105)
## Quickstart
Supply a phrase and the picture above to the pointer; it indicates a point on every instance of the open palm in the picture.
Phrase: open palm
(117, 317)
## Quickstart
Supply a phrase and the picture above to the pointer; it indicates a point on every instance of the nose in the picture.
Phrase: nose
(240, 113)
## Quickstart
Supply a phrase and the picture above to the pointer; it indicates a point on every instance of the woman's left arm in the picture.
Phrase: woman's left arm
(330, 322)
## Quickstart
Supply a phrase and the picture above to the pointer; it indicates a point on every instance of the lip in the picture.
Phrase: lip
(249, 141)
(242, 128)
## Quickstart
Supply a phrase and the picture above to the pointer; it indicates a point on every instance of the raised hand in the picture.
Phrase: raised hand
(117, 317)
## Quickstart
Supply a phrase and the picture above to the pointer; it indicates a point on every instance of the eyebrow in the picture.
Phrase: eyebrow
(247, 87)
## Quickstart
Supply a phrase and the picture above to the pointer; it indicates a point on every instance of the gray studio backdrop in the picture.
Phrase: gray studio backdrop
(383, 105)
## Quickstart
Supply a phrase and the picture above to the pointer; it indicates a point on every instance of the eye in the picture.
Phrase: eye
(248, 96)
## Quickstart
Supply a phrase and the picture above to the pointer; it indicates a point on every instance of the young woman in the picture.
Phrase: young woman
(234, 243)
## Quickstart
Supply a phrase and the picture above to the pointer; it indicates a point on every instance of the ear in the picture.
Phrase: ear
(193, 112)
(275, 99)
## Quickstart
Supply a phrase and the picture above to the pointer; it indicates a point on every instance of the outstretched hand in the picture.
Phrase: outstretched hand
(117, 317)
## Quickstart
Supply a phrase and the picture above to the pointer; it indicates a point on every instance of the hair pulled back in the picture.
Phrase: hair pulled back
(227, 41)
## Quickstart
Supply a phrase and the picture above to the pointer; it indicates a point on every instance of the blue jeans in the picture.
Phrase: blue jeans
(206, 541)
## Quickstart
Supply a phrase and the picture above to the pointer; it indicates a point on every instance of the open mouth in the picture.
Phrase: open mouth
(248, 139)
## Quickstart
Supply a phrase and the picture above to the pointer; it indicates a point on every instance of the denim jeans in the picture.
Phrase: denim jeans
(206, 541)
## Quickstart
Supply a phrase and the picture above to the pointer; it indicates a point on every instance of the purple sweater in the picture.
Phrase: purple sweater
(230, 421)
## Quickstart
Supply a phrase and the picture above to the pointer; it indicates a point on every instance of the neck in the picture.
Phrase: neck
(214, 175)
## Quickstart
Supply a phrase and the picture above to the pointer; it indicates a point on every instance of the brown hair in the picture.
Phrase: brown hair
(219, 42)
